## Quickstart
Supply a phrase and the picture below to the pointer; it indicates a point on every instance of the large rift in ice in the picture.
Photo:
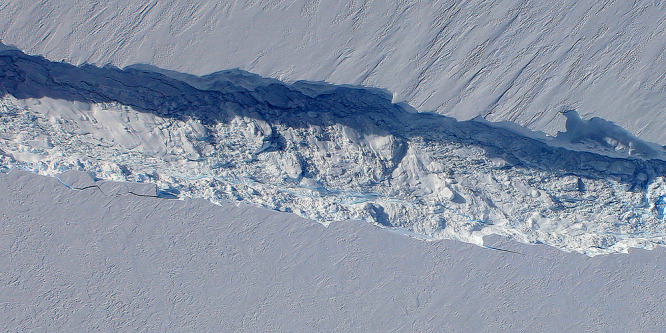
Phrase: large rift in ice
(330, 152)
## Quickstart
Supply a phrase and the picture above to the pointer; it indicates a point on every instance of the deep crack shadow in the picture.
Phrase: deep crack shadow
(221, 96)
(130, 192)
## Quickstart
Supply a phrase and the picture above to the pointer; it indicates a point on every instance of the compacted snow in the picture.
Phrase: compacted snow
(102, 259)
(505, 60)
(329, 152)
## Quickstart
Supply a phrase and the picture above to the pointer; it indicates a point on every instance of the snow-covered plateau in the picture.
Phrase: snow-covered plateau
(334, 152)
(506, 60)
(103, 260)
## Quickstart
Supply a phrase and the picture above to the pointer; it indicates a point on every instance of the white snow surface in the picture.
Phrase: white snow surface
(505, 60)
(329, 153)
(102, 259)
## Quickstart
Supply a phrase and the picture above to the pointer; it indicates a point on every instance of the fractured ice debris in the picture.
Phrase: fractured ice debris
(331, 154)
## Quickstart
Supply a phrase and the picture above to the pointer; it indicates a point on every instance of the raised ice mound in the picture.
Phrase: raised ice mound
(330, 152)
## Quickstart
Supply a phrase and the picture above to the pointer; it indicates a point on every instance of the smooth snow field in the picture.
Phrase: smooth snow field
(506, 60)
(103, 259)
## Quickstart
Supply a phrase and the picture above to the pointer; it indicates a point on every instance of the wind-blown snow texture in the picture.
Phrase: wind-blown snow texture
(506, 60)
(103, 260)
(330, 152)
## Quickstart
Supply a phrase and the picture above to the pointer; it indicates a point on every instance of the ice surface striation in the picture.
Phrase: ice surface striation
(507, 60)
(330, 152)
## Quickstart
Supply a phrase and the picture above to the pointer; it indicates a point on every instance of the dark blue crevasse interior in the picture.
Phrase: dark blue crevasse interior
(219, 97)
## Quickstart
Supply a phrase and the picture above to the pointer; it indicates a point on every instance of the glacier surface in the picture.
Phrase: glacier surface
(91, 260)
(334, 152)
(506, 60)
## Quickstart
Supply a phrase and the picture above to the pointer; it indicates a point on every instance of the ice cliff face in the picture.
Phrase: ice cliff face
(330, 152)
(506, 60)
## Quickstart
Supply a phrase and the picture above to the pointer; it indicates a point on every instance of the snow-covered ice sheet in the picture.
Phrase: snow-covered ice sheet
(79, 261)
(506, 60)
(330, 152)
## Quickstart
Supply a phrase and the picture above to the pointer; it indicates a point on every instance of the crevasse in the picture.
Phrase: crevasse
(330, 152)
